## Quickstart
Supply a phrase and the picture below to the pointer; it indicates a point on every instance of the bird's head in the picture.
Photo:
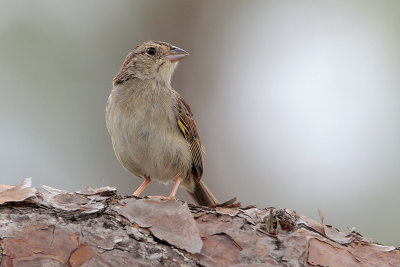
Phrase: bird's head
(150, 60)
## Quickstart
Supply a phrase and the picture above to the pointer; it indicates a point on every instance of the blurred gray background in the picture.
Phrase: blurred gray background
(297, 102)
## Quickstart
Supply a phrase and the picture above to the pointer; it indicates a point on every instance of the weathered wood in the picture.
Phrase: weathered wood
(96, 227)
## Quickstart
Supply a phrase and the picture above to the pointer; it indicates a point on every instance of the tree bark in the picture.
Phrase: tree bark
(97, 227)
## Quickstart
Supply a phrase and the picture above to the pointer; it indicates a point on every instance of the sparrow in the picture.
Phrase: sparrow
(153, 131)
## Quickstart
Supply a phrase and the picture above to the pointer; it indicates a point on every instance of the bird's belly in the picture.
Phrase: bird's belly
(151, 147)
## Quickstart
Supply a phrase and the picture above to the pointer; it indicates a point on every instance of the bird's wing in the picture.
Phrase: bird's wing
(188, 128)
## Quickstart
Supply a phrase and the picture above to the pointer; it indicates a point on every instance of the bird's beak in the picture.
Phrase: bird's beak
(176, 54)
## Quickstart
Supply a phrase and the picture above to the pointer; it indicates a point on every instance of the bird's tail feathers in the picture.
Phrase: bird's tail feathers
(202, 195)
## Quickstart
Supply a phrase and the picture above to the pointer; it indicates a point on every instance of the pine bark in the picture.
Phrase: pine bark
(97, 227)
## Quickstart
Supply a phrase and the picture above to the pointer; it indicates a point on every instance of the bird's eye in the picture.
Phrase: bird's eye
(151, 51)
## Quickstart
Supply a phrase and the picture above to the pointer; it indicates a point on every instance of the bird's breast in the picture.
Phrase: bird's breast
(145, 136)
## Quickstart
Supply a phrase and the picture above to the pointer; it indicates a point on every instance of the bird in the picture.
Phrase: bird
(152, 128)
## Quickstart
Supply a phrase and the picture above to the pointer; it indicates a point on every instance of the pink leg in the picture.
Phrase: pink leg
(146, 182)
(173, 192)
(175, 188)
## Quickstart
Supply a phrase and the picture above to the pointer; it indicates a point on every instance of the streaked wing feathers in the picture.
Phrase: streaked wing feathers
(187, 126)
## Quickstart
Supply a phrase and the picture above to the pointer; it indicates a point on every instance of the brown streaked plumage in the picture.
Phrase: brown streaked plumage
(187, 125)
(152, 128)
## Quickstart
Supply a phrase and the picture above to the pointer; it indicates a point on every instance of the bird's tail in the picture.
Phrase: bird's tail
(202, 195)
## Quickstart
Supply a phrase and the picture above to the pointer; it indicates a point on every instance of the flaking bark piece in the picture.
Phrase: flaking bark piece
(305, 222)
(219, 250)
(226, 211)
(102, 191)
(81, 255)
(170, 221)
(231, 203)
(75, 202)
(17, 193)
(36, 243)
(335, 235)
(250, 215)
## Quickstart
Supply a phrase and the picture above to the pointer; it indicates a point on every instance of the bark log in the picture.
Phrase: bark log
(97, 227)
